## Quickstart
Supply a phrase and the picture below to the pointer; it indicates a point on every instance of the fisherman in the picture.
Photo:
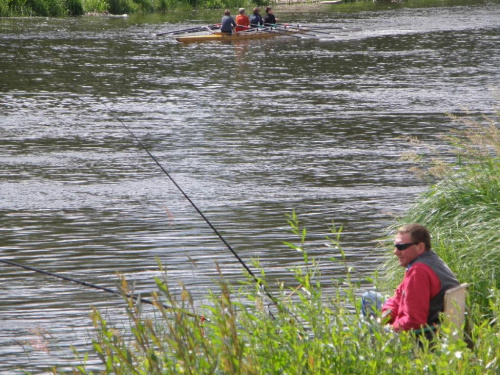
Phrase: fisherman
(419, 298)
(227, 23)
(256, 19)
(242, 20)
(270, 19)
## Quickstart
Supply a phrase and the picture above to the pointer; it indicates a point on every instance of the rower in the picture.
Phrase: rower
(227, 23)
(256, 19)
(242, 21)
(270, 19)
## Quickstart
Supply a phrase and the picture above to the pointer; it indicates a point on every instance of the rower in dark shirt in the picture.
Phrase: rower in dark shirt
(270, 19)
(227, 23)
(256, 19)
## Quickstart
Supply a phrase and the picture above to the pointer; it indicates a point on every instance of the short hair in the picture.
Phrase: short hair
(418, 233)
(241, 10)
(256, 10)
(268, 9)
(227, 12)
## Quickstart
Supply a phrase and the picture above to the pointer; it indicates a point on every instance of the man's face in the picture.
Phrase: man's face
(411, 253)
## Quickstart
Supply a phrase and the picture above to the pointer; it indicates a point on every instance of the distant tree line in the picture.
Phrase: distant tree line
(60, 8)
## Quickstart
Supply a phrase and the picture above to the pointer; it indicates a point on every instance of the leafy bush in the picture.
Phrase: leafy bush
(4, 8)
(95, 6)
(162, 5)
(39, 7)
(121, 6)
(75, 7)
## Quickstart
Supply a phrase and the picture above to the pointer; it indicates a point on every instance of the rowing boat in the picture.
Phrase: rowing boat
(242, 35)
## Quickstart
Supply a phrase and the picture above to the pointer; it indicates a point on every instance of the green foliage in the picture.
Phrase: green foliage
(462, 210)
(57, 8)
(4, 8)
(261, 3)
(163, 5)
(121, 6)
(95, 6)
(303, 331)
(145, 6)
(46, 7)
(75, 7)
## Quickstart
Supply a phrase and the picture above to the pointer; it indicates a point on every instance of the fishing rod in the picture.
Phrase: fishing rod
(94, 286)
(271, 297)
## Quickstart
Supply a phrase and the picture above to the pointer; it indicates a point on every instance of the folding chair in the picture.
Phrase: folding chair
(454, 308)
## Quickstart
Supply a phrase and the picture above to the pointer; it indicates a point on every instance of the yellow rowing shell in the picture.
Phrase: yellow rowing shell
(245, 35)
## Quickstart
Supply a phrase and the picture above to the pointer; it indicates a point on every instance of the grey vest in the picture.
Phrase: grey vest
(447, 278)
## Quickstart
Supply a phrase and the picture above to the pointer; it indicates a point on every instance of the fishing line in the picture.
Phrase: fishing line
(271, 297)
(90, 285)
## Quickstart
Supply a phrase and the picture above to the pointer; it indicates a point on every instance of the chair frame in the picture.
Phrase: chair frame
(455, 306)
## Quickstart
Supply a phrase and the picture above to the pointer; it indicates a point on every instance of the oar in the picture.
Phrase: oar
(287, 28)
(191, 30)
(330, 28)
(293, 31)
(275, 31)
(322, 27)
(311, 27)
(314, 31)
(302, 30)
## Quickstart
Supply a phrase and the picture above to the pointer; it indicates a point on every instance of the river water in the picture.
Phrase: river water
(250, 131)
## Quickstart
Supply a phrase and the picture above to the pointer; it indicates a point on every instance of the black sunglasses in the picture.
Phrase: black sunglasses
(404, 246)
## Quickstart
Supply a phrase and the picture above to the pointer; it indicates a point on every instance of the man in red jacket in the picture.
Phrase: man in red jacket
(419, 299)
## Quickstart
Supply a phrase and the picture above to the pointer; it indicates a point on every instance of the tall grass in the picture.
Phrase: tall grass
(462, 210)
(305, 332)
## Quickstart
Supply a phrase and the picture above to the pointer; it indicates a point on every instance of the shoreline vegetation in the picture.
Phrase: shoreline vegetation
(123, 8)
(62, 8)
(306, 330)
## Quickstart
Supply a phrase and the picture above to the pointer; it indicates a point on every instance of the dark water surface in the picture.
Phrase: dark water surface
(250, 131)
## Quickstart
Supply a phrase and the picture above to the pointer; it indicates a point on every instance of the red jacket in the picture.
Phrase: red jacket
(242, 22)
(409, 307)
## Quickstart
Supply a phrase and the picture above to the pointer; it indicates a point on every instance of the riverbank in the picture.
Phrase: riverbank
(62, 8)
(302, 330)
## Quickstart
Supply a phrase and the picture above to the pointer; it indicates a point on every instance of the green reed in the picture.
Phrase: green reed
(462, 210)
(306, 331)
